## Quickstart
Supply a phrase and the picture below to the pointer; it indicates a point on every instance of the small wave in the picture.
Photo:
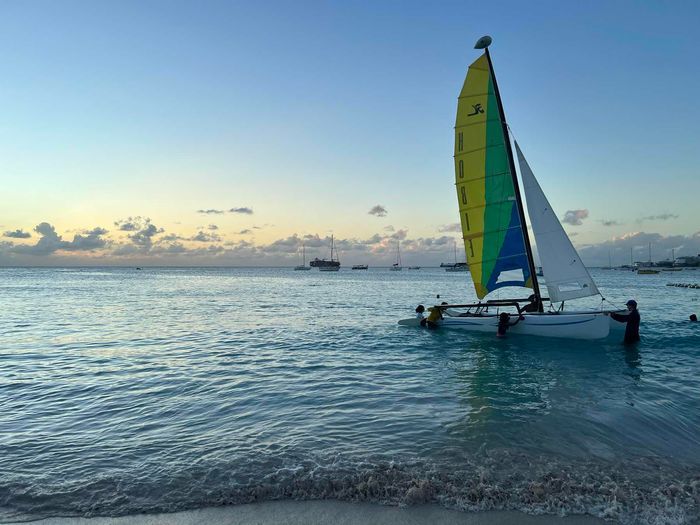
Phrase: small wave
(649, 493)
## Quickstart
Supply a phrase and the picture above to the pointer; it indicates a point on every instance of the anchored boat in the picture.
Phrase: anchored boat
(327, 266)
(396, 267)
(303, 266)
(495, 233)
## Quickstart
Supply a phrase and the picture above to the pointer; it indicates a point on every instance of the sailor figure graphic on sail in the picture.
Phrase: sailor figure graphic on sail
(494, 229)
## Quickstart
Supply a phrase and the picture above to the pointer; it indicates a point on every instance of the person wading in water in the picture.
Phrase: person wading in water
(632, 319)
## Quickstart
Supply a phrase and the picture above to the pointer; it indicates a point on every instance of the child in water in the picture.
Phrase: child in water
(504, 323)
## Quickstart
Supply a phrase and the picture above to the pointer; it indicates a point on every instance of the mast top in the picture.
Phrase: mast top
(483, 42)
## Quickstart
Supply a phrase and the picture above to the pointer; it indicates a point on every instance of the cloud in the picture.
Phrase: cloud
(92, 240)
(144, 237)
(244, 211)
(289, 244)
(212, 227)
(211, 212)
(205, 237)
(245, 232)
(399, 235)
(141, 240)
(130, 224)
(619, 248)
(172, 237)
(606, 222)
(378, 211)
(17, 234)
(50, 242)
(454, 227)
(660, 217)
(389, 228)
(575, 217)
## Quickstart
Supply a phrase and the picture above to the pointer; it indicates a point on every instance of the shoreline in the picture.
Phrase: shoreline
(327, 512)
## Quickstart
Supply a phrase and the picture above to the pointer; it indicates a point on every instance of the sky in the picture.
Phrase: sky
(231, 133)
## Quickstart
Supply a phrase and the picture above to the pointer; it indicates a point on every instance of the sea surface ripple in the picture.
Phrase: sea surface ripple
(126, 391)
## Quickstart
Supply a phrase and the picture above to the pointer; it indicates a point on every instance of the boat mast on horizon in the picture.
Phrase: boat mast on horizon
(457, 266)
(303, 266)
(396, 267)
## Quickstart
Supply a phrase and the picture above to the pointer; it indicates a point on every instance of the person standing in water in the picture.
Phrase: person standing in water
(632, 319)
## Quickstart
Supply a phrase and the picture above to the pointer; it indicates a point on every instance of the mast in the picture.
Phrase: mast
(303, 254)
(521, 211)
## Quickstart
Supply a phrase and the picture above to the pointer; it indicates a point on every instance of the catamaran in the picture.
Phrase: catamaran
(495, 233)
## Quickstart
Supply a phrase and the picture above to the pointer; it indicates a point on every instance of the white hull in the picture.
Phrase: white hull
(569, 325)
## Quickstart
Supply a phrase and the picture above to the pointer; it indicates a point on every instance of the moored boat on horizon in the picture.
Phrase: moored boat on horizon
(327, 266)
(396, 267)
(302, 266)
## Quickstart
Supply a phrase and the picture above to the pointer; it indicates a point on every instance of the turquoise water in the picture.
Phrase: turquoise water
(128, 391)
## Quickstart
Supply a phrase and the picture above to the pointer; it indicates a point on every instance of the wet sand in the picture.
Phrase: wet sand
(328, 512)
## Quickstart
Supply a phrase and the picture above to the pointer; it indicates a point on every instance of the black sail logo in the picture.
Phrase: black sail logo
(477, 110)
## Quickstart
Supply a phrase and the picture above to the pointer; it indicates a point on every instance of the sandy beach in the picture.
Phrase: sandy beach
(322, 512)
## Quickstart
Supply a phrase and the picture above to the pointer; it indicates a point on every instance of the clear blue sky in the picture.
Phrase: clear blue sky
(311, 113)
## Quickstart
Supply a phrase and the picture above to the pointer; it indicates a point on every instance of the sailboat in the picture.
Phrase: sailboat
(303, 264)
(495, 232)
(396, 267)
(457, 267)
(327, 266)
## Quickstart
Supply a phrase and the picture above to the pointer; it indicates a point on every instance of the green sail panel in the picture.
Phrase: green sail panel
(488, 209)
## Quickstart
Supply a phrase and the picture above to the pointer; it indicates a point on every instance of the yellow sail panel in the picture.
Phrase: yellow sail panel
(489, 216)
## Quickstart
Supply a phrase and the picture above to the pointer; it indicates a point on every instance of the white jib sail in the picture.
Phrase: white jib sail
(565, 275)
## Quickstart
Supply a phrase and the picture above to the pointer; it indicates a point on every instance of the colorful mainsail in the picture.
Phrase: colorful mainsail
(488, 208)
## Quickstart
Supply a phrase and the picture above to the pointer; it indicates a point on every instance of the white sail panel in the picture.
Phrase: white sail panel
(565, 275)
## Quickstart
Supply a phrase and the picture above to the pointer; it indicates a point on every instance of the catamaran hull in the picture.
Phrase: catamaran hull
(572, 325)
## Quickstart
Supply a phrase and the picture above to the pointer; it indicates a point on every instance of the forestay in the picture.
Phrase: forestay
(566, 276)
(488, 209)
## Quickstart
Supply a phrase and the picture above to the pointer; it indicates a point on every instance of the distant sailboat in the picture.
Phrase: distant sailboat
(324, 265)
(303, 264)
(457, 267)
(396, 267)
(494, 229)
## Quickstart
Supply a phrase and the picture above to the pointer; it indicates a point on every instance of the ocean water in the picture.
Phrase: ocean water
(125, 391)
